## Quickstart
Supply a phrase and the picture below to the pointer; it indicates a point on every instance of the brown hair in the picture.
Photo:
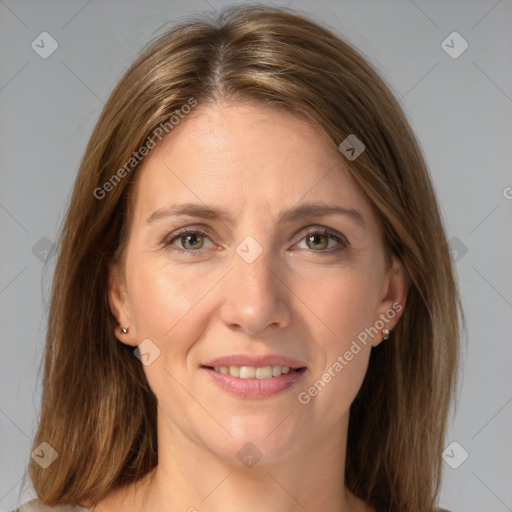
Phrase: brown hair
(98, 411)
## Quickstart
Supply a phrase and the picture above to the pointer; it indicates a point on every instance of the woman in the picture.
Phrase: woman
(254, 305)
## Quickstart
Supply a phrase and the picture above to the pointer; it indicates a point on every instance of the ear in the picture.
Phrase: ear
(393, 298)
(120, 306)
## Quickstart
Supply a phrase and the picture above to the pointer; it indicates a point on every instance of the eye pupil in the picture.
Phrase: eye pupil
(314, 238)
(186, 239)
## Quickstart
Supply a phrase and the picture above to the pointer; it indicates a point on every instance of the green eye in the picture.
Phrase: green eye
(318, 241)
(194, 240)
(189, 240)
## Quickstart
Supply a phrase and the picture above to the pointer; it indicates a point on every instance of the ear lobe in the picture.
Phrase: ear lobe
(394, 294)
(120, 307)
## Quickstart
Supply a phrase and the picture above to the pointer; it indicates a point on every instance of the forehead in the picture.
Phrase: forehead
(244, 155)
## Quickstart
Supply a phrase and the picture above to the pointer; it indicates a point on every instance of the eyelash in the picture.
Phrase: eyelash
(342, 241)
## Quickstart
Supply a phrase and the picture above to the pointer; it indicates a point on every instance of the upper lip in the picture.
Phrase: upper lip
(255, 360)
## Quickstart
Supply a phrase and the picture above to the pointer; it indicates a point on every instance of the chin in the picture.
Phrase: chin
(256, 440)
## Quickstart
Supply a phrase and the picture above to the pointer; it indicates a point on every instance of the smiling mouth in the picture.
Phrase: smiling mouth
(255, 372)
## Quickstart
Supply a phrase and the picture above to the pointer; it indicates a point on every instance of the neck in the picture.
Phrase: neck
(190, 477)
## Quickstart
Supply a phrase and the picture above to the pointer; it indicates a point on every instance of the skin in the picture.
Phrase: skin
(296, 299)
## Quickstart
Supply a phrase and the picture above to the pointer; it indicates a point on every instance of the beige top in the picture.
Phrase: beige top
(36, 506)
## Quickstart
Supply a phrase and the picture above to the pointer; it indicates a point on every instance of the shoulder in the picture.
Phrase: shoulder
(37, 506)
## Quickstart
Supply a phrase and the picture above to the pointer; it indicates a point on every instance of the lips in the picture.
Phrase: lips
(250, 376)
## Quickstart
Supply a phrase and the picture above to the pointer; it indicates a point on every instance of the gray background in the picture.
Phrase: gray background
(460, 108)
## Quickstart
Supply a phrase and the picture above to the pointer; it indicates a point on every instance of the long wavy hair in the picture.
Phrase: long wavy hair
(97, 410)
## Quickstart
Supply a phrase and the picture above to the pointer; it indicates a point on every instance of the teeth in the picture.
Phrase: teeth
(253, 372)
(263, 372)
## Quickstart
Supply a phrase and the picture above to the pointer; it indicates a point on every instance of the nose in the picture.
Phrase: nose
(257, 298)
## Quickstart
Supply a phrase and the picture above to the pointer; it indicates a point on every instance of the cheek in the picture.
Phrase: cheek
(345, 303)
(330, 394)
(166, 305)
(342, 363)
(162, 299)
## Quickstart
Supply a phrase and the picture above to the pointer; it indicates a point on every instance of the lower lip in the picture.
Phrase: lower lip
(254, 388)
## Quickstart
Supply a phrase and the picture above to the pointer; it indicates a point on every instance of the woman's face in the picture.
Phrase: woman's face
(261, 285)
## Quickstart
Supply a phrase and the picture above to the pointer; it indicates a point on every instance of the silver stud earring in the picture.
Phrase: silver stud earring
(124, 330)
(385, 334)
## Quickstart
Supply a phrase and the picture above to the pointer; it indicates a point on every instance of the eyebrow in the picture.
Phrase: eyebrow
(301, 212)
